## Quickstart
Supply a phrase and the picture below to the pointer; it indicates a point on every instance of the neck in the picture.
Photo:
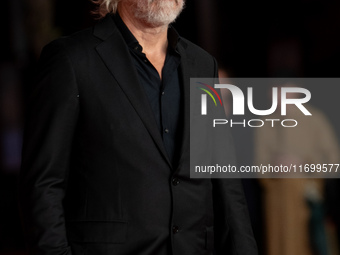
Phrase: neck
(152, 39)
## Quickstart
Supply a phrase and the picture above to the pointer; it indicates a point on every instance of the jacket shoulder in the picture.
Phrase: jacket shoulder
(205, 65)
(87, 39)
(79, 40)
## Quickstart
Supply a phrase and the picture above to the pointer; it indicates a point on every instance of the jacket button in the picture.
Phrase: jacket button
(175, 229)
(175, 181)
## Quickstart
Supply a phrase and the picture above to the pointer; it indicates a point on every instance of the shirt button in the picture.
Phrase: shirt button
(163, 93)
(175, 229)
(175, 181)
(166, 130)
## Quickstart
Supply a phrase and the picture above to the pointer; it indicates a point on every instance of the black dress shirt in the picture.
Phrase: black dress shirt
(165, 95)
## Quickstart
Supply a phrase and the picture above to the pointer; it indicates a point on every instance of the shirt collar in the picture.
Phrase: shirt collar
(131, 41)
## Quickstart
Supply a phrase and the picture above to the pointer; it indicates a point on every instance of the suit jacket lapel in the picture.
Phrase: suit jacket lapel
(186, 71)
(116, 57)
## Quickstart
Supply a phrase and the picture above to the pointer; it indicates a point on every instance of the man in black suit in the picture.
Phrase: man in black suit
(105, 167)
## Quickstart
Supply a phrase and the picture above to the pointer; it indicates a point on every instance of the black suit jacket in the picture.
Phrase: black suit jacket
(96, 179)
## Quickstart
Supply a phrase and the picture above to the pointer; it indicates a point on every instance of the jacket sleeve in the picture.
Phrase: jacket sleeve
(50, 123)
(233, 230)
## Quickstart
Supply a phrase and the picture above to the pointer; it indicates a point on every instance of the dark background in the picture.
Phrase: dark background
(249, 39)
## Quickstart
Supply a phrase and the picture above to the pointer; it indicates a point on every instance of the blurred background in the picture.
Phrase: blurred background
(297, 38)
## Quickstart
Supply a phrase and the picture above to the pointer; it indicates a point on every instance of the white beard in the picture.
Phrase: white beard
(157, 12)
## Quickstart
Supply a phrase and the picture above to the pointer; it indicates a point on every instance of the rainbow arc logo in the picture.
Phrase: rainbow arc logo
(206, 89)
